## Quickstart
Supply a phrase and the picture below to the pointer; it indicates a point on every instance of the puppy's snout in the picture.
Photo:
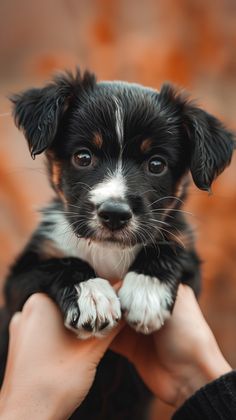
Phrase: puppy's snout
(114, 215)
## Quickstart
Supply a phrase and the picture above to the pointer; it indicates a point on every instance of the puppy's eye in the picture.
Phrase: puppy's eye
(82, 158)
(157, 165)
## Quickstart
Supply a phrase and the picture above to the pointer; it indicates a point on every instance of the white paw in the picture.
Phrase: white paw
(95, 309)
(146, 302)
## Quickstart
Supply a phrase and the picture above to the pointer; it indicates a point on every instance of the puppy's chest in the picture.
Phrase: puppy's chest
(109, 262)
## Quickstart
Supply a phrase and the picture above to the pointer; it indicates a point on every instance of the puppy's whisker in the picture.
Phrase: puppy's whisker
(56, 212)
(73, 205)
(147, 234)
(145, 192)
(166, 198)
(163, 214)
(160, 221)
(168, 224)
(176, 237)
(83, 183)
(175, 210)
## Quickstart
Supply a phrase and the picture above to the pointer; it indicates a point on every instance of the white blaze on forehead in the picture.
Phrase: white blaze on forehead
(119, 120)
(111, 188)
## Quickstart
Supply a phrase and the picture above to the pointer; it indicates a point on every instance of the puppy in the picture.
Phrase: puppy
(119, 157)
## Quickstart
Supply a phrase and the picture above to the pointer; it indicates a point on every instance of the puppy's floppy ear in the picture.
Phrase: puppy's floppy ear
(211, 144)
(38, 111)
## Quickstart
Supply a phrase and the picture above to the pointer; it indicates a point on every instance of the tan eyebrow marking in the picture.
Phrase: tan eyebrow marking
(145, 145)
(97, 140)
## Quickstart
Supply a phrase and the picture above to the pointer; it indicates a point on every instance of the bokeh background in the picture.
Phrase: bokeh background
(189, 42)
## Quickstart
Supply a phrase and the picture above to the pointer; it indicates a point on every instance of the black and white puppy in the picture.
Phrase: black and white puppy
(119, 156)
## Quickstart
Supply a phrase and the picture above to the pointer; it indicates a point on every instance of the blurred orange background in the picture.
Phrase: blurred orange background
(189, 42)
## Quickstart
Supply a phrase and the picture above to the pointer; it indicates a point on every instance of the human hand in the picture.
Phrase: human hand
(49, 371)
(178, 359)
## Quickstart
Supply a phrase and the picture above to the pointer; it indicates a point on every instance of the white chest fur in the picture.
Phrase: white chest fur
(109, 261)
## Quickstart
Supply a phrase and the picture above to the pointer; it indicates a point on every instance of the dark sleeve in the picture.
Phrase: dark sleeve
(215, 401)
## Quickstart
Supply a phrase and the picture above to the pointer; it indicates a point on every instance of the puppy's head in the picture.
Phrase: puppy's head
(118, 153)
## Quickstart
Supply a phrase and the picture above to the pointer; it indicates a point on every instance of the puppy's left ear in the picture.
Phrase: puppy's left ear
(211, 144)
(38, 112)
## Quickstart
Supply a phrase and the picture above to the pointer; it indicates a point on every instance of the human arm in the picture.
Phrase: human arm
(216, 400)
(49, 371)
(181, 357)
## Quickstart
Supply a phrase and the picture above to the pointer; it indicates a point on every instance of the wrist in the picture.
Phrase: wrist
(209, 365)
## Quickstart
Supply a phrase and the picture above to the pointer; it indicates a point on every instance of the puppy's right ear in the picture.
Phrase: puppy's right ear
(38, 111)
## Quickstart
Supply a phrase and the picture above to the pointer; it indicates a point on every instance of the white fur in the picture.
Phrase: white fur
(97, 303)
(61, 233)
(113, 187)
(145, 301)
(119, 121)
(108, 261)
(122, 83)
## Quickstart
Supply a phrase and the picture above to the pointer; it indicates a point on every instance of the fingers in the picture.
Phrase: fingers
(41, 310)
(105, 342)
(14, 323)
(97, 346)
(35, 304)
(117, 286)
(14, 328)
(38, 301)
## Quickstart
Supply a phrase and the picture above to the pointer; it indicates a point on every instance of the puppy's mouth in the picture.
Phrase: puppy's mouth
(112, 222)
(122, 237)
(94, 231)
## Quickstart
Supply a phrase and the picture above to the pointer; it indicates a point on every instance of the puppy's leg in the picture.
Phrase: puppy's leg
(146, 301)
(89, 304)
(149, 289)
(91, 308)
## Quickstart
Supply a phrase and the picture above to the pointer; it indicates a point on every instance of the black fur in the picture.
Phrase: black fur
(64, 117)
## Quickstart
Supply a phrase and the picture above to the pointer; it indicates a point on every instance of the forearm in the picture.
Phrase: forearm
(29, 405)
(206, 368)
(216, 400)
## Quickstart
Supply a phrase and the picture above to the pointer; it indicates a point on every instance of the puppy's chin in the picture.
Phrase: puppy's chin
(121, 238)
(113, 240)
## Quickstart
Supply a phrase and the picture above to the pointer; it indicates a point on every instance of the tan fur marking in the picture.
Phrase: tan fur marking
(145, 145)
(56, 178)
(49, 250)
(97, 140)
(62, 196)
(181, 185)
(179, 190)
(56, 174)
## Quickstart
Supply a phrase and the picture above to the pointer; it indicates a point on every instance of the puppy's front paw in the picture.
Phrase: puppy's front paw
(146, 302)
(94, 309)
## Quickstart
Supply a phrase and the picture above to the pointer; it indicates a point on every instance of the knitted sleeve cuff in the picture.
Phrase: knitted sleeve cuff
(215, 401)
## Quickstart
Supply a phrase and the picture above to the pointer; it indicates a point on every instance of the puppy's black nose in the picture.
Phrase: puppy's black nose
(114, 215)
